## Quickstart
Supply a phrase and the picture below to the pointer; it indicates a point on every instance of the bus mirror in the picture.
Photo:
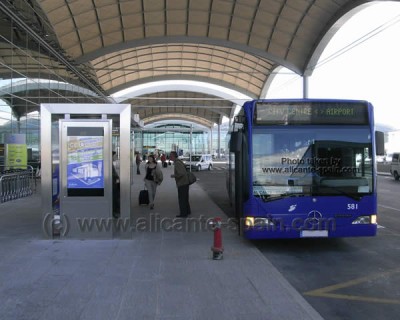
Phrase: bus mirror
(380, 143)
(235, 143)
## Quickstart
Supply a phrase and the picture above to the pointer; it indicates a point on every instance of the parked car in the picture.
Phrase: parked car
(395, 166)
(199, 162)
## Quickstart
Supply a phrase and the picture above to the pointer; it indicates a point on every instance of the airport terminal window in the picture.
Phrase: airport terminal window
(173, 140)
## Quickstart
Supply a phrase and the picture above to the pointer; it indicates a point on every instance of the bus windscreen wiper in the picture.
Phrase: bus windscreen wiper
(268, 197)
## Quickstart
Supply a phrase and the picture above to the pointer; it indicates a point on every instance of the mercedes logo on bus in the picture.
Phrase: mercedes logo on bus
(313, 217)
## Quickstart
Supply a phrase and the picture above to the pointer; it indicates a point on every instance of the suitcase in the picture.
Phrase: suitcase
(165, 164)
(144, 197)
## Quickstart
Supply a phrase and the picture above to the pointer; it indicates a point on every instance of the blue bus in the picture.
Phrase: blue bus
(304, 168)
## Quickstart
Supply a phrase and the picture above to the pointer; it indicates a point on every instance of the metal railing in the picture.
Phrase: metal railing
(16, 183)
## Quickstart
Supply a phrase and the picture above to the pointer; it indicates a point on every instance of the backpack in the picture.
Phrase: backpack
(192, 178)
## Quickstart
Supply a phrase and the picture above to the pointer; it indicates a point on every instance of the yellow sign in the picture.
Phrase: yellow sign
(17, 156)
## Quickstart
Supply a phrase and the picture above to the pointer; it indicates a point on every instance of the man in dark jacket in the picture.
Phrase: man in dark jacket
(182, 182)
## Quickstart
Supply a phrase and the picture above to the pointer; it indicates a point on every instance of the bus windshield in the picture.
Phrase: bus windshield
(311, 160)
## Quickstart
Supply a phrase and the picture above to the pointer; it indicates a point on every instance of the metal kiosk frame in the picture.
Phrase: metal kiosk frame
(46, 112)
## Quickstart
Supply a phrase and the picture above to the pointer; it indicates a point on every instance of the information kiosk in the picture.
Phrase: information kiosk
(76, 170)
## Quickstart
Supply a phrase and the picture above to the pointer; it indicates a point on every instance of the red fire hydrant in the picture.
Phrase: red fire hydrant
(217, 248)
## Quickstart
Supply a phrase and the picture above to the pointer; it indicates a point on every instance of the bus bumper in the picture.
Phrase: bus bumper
(255, 233)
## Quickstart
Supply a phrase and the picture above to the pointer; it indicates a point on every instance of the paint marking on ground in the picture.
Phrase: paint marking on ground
(328, 292)
(390, 208)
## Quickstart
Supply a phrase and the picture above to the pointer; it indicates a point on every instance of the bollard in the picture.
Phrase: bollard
(217, 248)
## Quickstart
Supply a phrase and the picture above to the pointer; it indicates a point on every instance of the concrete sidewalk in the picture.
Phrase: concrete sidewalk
(160, 273)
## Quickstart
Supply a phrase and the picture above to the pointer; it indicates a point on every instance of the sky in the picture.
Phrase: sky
(369, 70)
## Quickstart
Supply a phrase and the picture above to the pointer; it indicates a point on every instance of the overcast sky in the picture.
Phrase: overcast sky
(368, 71)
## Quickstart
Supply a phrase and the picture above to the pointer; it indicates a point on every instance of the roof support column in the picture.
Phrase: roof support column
(219, 142)
(305, 87)
(190, 142)
(19, 125)
(210, 141)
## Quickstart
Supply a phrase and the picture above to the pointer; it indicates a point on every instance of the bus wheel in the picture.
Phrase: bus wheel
(396, 176)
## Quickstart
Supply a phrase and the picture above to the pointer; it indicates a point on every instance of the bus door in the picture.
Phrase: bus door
(238, 156)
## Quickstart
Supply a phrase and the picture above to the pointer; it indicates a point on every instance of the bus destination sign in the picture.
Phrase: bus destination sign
(311, 113)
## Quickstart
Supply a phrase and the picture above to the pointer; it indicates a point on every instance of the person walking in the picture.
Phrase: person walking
(138, 161)
(153, 178)
(182, 182)
(163, 159)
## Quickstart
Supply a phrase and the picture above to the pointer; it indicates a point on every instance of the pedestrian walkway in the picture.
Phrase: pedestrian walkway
(162, 272)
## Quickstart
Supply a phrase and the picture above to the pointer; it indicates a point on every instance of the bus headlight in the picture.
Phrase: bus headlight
(257, 222)
(365, 220)
(249, 222)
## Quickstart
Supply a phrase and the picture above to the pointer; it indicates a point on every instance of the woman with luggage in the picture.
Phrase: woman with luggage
(153, 178)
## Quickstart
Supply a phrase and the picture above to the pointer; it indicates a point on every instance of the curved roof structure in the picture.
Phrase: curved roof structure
(110, 45)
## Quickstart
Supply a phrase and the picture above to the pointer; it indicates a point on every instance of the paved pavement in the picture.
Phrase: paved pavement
(165, 271)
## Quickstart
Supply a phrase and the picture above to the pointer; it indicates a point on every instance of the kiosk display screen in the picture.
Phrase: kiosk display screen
(85, 161)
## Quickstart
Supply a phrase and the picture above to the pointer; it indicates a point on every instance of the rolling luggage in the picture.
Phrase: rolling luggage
(165, 164)
(144, 197)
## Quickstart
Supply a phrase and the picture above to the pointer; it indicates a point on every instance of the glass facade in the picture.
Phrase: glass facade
(173, 137)
(32, 71)
(28, 124)
(177, 137)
